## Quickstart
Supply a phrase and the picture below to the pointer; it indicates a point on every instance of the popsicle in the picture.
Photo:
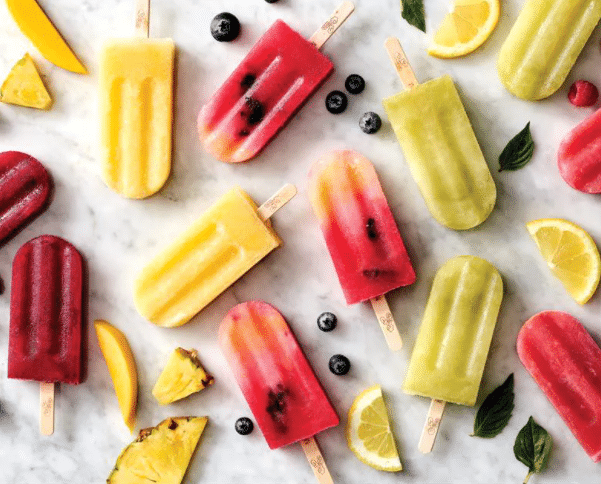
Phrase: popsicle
(136, 102)
(440, 147)
(267, 88)
(275, 377)
(454, 338)
(543, 45)
(579, 156)
(25, 190)
(46, 318)
(565, 362)
(216, 250)
(361, 234)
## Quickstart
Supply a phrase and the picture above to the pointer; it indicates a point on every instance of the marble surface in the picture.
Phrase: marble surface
(119, 236)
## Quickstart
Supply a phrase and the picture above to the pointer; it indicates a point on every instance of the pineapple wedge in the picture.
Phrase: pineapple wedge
(182, 376)
(160, 454)
(24, 86)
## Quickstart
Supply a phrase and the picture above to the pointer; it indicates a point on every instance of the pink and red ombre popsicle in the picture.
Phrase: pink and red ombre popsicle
(565, 361)
(268, 87)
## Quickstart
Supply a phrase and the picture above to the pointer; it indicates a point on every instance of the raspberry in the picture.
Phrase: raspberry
(583, 93)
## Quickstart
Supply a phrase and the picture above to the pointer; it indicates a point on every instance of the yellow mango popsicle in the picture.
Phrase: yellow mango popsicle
(543, 45)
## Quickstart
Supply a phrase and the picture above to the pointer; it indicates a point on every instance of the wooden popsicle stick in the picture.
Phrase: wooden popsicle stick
(331, 25)
(386, 320)
(400, 62)
(143, 18)
(318, 464)
(277, 201)
(46, 408)
(426, 441)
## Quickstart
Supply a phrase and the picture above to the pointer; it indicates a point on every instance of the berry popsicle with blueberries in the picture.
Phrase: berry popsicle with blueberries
(565, 362)
(362, 237)
(280, 387)
(268, 87)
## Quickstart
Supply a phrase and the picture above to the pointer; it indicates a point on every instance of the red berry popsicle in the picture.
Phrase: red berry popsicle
(565, 361)
(25, 188)
(45, 336)
(274, 375)
(269, 86)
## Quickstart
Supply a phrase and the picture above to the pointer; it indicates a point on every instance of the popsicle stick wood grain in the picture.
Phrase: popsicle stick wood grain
(316, 460)
(46, 408)
(277, 201)
(430, 430)
(319, 38)
(400, 62)
(143, 18)
(387, 323)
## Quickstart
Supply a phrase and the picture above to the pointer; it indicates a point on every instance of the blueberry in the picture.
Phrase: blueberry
(327, 321)
(354, 84)
(339, 365)
(336, 102)
(370, 122)
(271, 1)
(225, 27)
(244, 426)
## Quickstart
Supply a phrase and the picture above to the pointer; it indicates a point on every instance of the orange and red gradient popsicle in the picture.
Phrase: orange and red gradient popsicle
(565, 361)
(269, 86)
(25, 189)
(579, 156)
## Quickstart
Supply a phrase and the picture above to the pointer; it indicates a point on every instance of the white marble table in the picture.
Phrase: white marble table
(118, 236)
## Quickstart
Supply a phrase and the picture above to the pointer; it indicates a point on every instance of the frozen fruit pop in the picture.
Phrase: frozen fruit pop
(361, 234)
(136, 103)
(440, 147)
(46, 318)
(565, 362)
(454, 338)
(269, 86)
(543, 45)
(274, 375)
(579, 156)
(25, 189)
(218, 248)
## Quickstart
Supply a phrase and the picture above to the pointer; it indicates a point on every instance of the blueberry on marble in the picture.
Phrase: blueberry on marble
(271, 1)
(225, 27)
(339, 365)
(354, 84)
(370, 123)
(336, 102)
(327, 321)
(244, 426)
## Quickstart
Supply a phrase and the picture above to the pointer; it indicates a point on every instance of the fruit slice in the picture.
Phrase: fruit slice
(161, 454)
(122, 367)
(368, 432)
(33, 22)
(465, 29)
(182, 376)
(24, 86)
(571, 254)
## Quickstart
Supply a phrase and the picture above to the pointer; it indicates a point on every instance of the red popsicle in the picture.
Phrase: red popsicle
(46, 320)
(565, 361)
(25, 188)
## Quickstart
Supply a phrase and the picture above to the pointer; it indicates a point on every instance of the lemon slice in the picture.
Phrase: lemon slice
(571, 254)
(368, 432)
(465, 29)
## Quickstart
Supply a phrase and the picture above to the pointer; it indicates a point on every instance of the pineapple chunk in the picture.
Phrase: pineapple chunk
(24, 86)
(160, 454)
(182, 376)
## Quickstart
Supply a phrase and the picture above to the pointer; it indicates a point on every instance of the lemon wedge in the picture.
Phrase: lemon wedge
(571, 254)
(465, 29)
(368, 432)
(122, 368)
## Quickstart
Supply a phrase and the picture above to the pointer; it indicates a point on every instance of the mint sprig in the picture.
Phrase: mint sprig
(518, 151)
(413, 12)
(532, 447)
(495, 412)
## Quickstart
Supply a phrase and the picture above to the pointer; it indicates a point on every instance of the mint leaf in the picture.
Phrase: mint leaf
(518, 151)
(413, 12)
(495, 411)
(532, 447)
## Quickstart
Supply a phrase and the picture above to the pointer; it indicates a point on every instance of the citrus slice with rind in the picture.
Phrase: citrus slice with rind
(570, 253)
(368, 432)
